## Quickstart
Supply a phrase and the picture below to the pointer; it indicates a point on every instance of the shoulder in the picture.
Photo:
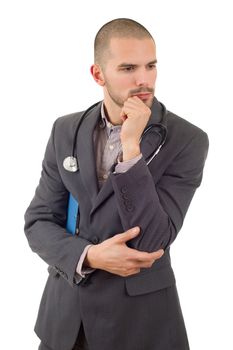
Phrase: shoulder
(185, 139)
(181, 126)
(64, 129)
(67, 122)
(183, 131)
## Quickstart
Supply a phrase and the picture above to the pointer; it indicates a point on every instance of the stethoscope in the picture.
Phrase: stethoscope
(70, 163)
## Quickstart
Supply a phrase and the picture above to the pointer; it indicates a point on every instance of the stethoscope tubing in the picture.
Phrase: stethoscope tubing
(79, 124)
(70, 163)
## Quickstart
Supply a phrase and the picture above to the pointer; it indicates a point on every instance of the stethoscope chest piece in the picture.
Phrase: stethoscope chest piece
(70, 164)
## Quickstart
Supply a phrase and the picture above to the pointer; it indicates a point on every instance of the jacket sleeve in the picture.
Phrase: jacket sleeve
(45, 220)
(159, 208)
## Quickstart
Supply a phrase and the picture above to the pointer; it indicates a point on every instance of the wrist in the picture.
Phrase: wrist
(130, 151)
(90, 259)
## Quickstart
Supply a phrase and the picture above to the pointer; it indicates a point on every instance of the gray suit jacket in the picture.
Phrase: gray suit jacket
(134, 313)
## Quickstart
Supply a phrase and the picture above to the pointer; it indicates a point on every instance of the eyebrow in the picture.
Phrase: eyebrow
(122, 65)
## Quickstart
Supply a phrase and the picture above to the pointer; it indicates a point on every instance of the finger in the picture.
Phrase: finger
(127, 235)
(133, 271)
(128, 108)
(123, 114)
(146, 257)
(129, 272)
(133, 100)
(158, 254)
(131, 104)
(144, 265)
(123, 117)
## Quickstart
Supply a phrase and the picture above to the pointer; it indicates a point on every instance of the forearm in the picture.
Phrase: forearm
(138, 204)
(130, 151)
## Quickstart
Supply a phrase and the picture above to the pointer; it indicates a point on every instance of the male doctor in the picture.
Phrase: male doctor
(111, 285)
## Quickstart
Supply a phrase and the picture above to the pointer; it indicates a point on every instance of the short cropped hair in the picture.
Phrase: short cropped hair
(117, 28)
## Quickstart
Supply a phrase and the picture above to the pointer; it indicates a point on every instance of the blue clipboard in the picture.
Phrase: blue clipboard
(72, 215)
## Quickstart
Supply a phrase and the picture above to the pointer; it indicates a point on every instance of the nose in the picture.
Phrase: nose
(142, 77)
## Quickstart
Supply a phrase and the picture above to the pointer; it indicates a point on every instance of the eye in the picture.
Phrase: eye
(128, 68)
(152, 66)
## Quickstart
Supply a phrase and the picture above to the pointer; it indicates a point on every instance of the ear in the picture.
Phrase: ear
(97, 74)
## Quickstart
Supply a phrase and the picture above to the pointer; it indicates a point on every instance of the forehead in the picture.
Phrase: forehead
(131, 50)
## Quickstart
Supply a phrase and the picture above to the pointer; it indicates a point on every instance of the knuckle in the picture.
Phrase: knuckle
(118, 235)
(158, 256)
(125, 271)
(148, 265)
(114, 238)
(133, 271)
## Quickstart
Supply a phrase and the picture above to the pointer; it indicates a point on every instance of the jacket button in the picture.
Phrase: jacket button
(130, 208)
(95, 240)
(128, 203)
(125, 196)
(123, 189)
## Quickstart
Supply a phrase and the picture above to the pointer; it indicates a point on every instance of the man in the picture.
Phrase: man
(111, 285)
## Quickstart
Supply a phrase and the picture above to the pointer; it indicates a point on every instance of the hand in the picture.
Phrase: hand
(114, 256)
(135, 115)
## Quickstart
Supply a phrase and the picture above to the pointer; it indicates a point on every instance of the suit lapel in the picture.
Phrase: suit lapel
(105, 192)
(86, 153)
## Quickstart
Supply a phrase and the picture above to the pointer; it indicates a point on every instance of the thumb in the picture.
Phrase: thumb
(127, 235)
(123, 116)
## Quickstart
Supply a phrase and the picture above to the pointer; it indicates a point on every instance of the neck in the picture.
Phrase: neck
(112, 112)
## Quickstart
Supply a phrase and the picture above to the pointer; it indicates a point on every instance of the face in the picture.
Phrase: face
(130, 70)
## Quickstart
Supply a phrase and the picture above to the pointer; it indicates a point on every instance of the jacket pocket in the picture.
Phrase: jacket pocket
(150, 281)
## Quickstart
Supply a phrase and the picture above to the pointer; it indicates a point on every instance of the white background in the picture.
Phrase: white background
(46, 51)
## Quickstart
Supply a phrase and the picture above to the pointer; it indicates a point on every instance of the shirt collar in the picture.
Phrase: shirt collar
(104, 123)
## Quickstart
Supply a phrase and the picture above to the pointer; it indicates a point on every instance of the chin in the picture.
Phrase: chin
(149, 102)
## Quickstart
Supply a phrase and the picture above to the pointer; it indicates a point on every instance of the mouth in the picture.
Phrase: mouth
(143, 95)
